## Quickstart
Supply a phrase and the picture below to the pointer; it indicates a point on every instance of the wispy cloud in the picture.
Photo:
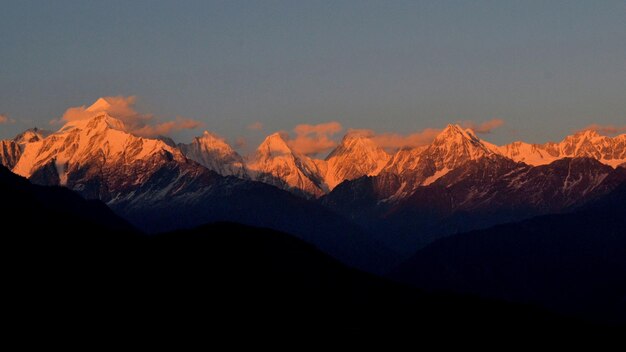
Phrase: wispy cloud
(483, 127)
(4, 119)
(241, 142)
(314, 139)
(123, 108)
(391, 141)
(609, 130)
(256, 126)
(165, 128)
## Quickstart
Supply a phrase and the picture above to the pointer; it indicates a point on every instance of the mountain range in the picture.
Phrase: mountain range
(382, 202)
(401, 213)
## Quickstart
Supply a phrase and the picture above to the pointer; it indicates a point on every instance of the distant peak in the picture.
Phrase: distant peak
(100, 121)
(453, 128)
(455, 131)
(210, 136)
(100, 105)
(588, 133)
(275, 143)
(275, 138)
(31, 135)
(212, 141)
(358, 134)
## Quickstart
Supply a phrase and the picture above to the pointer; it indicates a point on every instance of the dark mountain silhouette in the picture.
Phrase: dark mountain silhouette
(47, 208)
(572, 263)
(477, 194)
(89, 275)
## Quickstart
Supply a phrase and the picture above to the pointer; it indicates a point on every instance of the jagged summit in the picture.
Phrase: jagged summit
(356, 156)
(99, 105)
(215, 154)
(587, 133)
(99, 122)
(97, 133)
(276, 163)
(97, 143)
(588, 143)
(273, 145)
(455, 134)
(31, 135)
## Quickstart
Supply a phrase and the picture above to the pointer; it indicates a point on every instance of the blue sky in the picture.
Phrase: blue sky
(544, 67)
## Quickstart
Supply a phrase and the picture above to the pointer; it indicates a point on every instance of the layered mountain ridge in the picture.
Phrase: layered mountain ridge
(276, 163)
(456, 183)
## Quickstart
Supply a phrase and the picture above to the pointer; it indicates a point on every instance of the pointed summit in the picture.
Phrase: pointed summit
(212, 152)
(455, 134)
(356, 156)
(100, 105)
(455, 146)
(451, 148)
(277, 164)
(274, 145)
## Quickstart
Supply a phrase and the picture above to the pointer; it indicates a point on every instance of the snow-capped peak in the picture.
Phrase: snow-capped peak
(354, 157)
(454, 146)
(276, 163)
(31, 135)
(588, 143)
(456, 134)
(212, 141)
(274, 145)
(215, 154)
(100, 105)
(451, 148)
(100, 122)
(588, 133)
(99, 139)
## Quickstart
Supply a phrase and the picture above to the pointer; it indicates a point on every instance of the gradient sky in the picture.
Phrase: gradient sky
(545, 67)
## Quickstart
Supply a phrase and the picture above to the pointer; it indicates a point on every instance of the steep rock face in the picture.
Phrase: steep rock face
(424, 165)
(11, 150)
(585, 144)
(490, 184)
(31, 135)
(477, 194)
(356, 156)
(95, 157)
(277, 164)
(9, 153)
(215, 154)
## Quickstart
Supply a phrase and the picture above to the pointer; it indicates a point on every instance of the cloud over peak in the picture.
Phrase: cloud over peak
(609, 130)
(123, 108)
(320, 138)
(392, 141)
(483, 127)
(314, 139)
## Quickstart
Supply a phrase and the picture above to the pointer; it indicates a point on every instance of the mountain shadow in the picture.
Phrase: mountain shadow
(94, 271)
(571, 263)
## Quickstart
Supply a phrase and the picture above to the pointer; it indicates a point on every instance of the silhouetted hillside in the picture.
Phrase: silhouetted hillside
(86, 277)
(573, 263)
(46, 208)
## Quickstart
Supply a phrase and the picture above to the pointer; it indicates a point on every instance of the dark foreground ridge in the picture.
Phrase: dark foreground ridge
(99, 272)
(574, 263)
